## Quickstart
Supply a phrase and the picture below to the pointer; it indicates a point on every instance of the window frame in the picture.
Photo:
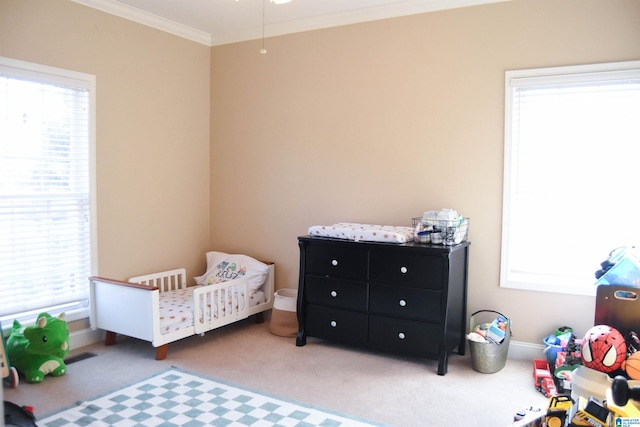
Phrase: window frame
(39, 73)
(528, 78)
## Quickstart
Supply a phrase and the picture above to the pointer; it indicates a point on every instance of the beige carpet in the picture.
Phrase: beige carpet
(380, 387)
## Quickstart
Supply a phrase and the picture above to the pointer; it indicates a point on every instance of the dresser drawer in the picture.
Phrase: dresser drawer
(419, 304)
(336, 261)
(407, 336)
(337, 293)
(403, 269)
(336, 325)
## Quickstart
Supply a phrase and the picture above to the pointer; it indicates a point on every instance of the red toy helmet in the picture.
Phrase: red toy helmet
(603, 349)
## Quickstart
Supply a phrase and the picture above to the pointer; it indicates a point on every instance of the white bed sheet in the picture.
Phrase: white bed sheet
(176, 308)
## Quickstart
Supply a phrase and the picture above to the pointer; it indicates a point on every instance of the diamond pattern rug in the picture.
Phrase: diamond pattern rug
(179, 398)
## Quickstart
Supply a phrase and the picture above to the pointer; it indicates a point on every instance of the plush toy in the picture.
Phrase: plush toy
(39, 350)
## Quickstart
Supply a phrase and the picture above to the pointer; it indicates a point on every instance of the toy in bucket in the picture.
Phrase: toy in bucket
(489, 341)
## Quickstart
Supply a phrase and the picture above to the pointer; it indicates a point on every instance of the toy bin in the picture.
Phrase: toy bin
(284, 318)
(490, 356)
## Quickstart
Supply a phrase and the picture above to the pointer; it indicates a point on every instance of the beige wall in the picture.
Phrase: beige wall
(374, 122)
(380, 121)
(152, 128)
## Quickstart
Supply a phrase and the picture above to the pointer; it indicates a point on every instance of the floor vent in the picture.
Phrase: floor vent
(79, 357)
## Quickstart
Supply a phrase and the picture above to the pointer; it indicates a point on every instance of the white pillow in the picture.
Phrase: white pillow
(222, 267)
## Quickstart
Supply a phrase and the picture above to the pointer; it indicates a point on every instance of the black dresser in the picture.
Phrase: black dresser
(406, 298)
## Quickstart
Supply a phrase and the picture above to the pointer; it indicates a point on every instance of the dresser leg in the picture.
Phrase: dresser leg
(462, 345)
(301, 339)
(442, 364)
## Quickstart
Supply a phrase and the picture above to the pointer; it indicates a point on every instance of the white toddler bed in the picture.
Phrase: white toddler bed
(161, 308)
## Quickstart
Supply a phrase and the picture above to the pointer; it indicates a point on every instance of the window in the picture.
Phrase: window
(46, 195)
(571, 181)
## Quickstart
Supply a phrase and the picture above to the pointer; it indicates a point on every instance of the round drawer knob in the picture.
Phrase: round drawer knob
(402, 303)
(403, 270)
(401, 335)
(334, 262)
(334, 294)
(333, 323)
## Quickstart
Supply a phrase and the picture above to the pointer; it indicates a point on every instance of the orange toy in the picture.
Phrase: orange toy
(632, 366)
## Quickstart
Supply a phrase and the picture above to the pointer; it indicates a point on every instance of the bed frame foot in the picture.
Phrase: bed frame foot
(110, 338)
(260, 317)
(161, 352)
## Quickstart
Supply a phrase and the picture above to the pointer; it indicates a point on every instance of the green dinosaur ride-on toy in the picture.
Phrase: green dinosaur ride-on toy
(39, 350)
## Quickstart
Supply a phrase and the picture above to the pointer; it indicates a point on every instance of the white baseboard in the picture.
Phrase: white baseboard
(519, 350)
(85, 337)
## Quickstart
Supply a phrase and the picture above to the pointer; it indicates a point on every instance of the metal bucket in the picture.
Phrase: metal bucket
(489, 357)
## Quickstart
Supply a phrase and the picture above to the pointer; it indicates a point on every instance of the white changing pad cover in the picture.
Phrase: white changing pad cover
(176, 308)
(364, 232)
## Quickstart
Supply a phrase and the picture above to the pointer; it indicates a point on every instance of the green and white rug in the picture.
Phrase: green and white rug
(179, 398)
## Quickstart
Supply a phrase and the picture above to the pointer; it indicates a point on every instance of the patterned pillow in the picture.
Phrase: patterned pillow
(222, 267)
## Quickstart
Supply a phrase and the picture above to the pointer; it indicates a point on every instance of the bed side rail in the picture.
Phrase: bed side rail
(169, 280)
(122, 283)
(220, 304)
(269, 286)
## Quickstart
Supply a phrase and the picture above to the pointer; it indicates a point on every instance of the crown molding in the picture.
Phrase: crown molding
(365, 14)
(355, 16)
(149, 19)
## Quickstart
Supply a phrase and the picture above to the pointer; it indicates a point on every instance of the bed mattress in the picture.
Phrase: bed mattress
(363, 232)
(176, 308)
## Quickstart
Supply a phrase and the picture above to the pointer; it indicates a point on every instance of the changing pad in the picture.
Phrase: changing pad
(363, 232)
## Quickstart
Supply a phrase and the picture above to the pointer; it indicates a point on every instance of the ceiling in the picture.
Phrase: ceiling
(217, 22)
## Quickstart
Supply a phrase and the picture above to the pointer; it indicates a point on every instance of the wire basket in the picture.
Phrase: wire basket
(440, 232)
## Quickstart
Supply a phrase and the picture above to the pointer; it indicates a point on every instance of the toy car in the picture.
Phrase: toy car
(542, 378)
(557, 412)
(594, 414)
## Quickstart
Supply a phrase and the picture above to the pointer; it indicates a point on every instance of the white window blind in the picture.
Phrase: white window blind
(572, 149)
(46, 176)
